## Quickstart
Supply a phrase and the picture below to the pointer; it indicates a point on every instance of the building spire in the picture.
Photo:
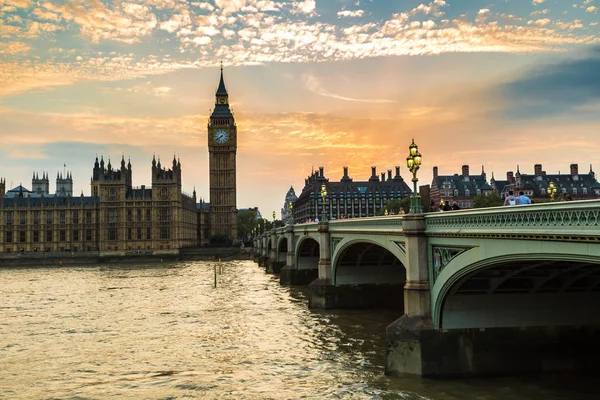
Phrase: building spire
(221, 90)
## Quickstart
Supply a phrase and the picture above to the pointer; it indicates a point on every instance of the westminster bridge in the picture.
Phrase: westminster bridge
(482, 291)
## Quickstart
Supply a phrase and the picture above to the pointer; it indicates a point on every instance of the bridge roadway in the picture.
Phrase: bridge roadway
(485, 291)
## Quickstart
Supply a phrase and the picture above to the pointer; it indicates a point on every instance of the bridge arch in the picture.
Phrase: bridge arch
(535, 284)
(367, 262)
(281, 249)
(307, 253)
(269, 246)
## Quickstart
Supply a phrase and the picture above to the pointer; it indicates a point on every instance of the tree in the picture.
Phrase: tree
(393, 206)
(246, 221)
(492, 199)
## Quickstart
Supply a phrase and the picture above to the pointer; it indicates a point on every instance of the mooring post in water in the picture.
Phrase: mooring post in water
(215, 284)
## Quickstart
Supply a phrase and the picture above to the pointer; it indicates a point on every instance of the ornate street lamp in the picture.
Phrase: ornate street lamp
(413, 162)
(291, 213)
(323, 196)
(551, 190)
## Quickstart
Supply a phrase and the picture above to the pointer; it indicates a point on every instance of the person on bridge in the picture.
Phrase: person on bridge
(510, 200)
(522, 199)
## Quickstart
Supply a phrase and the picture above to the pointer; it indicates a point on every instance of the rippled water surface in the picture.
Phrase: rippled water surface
(162, 331)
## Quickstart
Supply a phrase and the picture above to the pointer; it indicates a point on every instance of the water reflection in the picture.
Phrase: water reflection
(157, 331)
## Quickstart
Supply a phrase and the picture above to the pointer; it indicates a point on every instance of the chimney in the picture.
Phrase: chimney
(321, 171)
(345, 172)
(465, 171)
(537, 168)
(435, 172)
(383, 177)
(510, 177)
(397, 172)
(374, 177)
(574, 169)
(389, 174)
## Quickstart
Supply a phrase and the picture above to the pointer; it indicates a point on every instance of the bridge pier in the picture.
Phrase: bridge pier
(290, 274)
(426, 351)
(404, 353)
(264, 255)
(256, 250)
(272, 265)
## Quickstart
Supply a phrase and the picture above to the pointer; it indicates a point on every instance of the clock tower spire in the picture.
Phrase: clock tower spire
(222, 149)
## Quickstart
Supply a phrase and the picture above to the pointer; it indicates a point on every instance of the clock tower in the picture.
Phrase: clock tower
(222, 148)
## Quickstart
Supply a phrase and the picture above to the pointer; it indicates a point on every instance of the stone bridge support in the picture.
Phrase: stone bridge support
(256, 249)
(322, 289)
(264, 255)
(272, 264)
(302, 258)
(290, 274)
(404, 336)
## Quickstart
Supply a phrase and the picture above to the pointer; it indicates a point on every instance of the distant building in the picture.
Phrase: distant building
(461, 189)
(348, 198)
(579, 186)
(287, 209)
(464, 187)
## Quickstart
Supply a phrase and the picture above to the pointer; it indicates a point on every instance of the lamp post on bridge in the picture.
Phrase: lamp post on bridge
(323, 196)
(413, 162)
(551, 190)
(291, 214)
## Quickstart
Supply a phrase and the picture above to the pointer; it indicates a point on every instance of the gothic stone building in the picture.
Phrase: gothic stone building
(115, 217)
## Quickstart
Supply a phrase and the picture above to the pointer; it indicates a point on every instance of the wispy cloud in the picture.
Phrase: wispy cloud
(313, 84)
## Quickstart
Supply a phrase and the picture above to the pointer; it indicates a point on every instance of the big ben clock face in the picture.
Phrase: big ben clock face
(221, 136)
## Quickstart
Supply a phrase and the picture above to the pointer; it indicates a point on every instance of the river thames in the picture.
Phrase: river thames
(163, 331)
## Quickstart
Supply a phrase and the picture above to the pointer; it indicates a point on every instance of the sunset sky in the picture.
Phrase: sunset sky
(328, 83)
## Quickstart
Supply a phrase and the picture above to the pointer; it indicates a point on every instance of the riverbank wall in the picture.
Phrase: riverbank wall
(100, 257)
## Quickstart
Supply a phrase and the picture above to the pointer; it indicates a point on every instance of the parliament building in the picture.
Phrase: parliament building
(120, 217)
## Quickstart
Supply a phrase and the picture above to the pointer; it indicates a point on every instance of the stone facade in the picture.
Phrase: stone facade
(117, 217)
(348, 198)
(461, 189)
